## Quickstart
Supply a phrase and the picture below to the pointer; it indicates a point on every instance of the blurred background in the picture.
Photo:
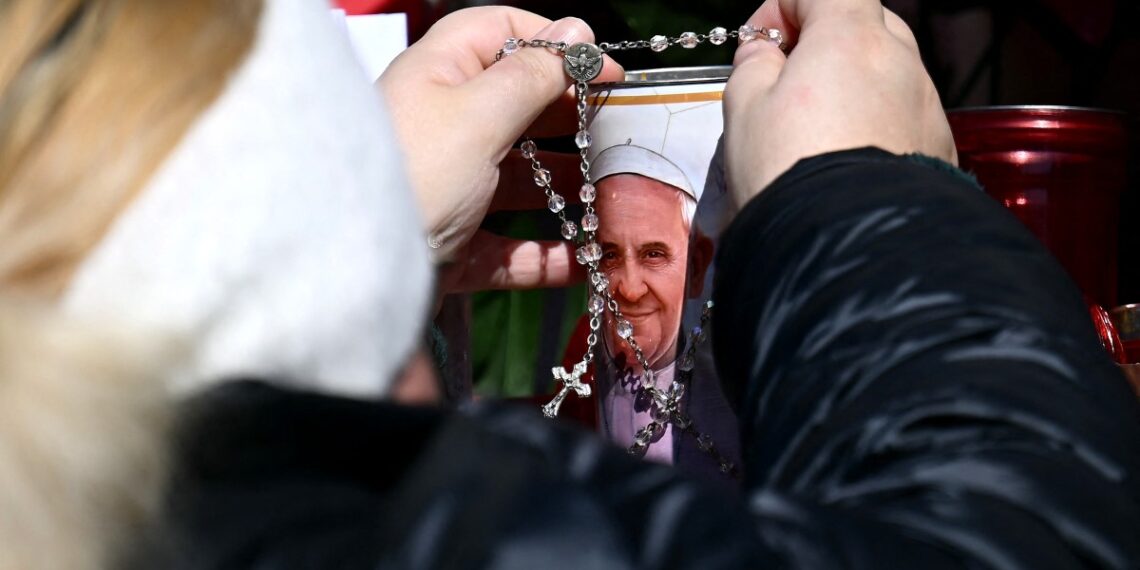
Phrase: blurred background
(979, 52)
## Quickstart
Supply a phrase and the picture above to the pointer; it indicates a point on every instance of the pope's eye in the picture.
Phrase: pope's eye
(609, 259)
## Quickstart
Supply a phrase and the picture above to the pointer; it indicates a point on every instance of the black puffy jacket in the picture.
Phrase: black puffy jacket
(918, 386)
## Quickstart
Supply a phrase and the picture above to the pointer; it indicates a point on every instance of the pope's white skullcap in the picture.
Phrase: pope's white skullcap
(633, 159)
(669, 131)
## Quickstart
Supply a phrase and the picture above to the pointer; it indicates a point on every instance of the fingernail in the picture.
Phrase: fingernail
(565, 30)
(750, 33)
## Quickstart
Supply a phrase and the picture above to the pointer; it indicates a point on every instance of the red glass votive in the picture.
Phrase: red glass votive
(1126, 321)
(1061, 171)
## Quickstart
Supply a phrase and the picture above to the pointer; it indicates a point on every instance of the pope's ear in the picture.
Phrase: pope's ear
(700, 258)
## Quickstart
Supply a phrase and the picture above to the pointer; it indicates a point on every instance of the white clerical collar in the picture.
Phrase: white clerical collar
(279, 239)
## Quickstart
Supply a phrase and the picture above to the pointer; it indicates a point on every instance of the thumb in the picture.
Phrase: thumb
(756, 68)
(497, 262)
(515, 90)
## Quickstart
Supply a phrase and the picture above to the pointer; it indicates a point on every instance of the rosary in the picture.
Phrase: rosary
(583, 63)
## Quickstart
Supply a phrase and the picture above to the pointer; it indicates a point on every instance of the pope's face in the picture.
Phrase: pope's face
(644, 253)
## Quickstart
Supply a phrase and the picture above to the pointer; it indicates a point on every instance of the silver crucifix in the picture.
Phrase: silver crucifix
(667, 403)
(570, 381)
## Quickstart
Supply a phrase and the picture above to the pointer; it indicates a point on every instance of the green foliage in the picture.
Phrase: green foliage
(508, 328)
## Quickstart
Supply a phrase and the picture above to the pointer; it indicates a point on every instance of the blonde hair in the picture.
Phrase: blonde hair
(83, 421)
(93, 96)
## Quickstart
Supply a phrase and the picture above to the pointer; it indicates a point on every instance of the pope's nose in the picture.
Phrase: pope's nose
(629, 283)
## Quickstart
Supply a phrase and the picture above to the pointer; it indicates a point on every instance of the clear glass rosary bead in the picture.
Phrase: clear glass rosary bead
(641, 438)
(597, 304)
(542, 177)
(556, 203)
(648, 380)
(718, 36)
(580, 255)
(590, 223)
(689, 40)
(569, 230)
(658, 43)
(686, 364)
(510, 46)
(678, 391)
(587, 193)
(774, 36)
(704, 442)
(528, 149)
(638, 448)
(593, 251)
(583, 140)
(624, 329)
(652, 431)
(747, 33)
(600, 281)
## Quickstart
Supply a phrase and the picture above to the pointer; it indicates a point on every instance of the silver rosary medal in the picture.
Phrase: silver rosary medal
(583, 62)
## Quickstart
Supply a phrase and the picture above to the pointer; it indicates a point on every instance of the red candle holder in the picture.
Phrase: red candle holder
(1126, 322)
(1061, 171)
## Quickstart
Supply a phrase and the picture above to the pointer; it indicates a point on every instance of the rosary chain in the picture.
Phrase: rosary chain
(665, 404)
(554, 201)
(513, 45)
(583, 138)
(607, 47)
(658, 43)
(560, 46)
(668, 404)
(688, 40)
(581, 90)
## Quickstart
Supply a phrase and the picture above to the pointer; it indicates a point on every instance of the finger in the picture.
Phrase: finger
(464, 43)
(771, 14)
(497, 262)
(793, 17)
(899, 29)
(561, 116)
(761, 61)
(756, 68)
(481, 32)
(517, 190)
(558, 119)
(518, 88)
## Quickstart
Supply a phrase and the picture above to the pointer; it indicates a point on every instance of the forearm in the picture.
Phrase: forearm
(901, 350)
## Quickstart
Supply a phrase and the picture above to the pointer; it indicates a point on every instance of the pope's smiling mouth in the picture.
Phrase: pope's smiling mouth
(638, 314)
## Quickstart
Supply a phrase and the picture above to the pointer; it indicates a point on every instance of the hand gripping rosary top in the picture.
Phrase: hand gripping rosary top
(583, 63)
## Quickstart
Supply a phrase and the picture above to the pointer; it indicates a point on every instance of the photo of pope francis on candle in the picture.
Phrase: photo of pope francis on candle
(650, 163)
